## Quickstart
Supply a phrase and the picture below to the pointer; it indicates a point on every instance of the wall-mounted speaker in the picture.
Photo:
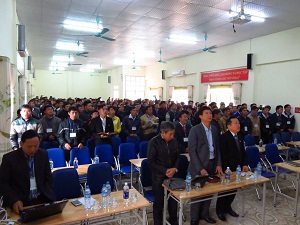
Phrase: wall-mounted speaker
(163, 74)
(249, 61)
(29, 63)
(109, 79)
(21, 38)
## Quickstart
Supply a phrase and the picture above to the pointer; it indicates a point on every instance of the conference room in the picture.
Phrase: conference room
(204, 51)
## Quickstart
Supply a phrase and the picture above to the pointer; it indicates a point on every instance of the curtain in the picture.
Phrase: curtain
(190, 92)
(160, 93)
(236, 91)
(206, 92)
(171, 90)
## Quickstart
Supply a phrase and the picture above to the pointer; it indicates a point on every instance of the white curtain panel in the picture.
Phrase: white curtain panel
(171, 90)
(160, 93)
(237, 92)
(190, 92)
(206, 92)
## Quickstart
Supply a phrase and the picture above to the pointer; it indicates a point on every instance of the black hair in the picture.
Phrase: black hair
(73, 108)
(203, 108)
(287, 105)
(86, 102)
(100, 106)
(225, 109)
(28, 135)
(166, 126)
(46, 107)
(26, 106)
(278, 107)
(229, 120)
(183, 112)
(216, 112)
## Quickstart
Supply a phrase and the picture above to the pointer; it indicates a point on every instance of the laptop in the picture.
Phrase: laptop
(41, 211)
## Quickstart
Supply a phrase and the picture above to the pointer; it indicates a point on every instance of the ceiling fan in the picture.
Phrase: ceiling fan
(83, 54)
(135, 67)
(100, 34)
(209, 49)
(74, 64)
(160, 60)
(56, 72)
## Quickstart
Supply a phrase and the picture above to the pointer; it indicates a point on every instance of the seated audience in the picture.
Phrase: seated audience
(149, 124)
(116, 120)
(64, 113)
(131, 124)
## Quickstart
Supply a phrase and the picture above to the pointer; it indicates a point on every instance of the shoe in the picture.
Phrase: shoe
(232, 213)
(221, 216)
(209, 220)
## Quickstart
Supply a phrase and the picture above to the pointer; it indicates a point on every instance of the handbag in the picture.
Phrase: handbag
(174, 183)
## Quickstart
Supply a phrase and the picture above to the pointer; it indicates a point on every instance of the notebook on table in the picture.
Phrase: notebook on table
(292, 163)
(42, 211)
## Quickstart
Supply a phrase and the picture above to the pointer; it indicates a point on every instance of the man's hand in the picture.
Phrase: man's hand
(133, 135)
(245, 168)
(170, 172)
(68, 147)
(18, 206)
(51, 137)
(203, 172)
(103, 135)
(80, 145)
(219, 170)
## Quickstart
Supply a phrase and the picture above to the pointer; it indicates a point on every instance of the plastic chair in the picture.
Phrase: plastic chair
(136, 141)
(105, 154)
(253, 157)
(99, 174)
(296, 136)
(183, 167)
(58, 157)
(83, 155)
(66, 184)
(116, 141)
(126, 152)
(249, 140)
(292, 152)
(285, 137)
(91, 145)
(146, 181)
(143, 149)
(278, 137)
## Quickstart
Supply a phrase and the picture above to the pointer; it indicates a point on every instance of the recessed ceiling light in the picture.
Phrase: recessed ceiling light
(82, 26)
(183, 39)
(69, 46)
(63, 58)
(82, 69)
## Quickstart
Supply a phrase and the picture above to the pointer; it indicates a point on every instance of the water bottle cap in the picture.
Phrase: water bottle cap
(75, 158)
(87, 186)
(189, 173)
(126, 184)
(104, 185)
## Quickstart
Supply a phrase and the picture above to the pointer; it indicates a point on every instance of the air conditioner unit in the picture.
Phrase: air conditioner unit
(180, 73)
(240, 19)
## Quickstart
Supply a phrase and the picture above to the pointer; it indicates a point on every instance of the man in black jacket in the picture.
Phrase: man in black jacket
(25, 175)
(163, 160)
(71, 133)
(182, 130)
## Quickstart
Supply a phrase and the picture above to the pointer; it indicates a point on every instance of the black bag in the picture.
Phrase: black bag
(201, 179)
(175, 183)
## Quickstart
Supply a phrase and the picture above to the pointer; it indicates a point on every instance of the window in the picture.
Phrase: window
(134, 87)
(221, 93)
(116, 91)
(180, 94)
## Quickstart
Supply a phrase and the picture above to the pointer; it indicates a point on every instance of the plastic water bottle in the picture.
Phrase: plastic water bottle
(238, 174)
(75, 163)
(259, 170)
(51, 164)
(260, 143)
(96, 159)
(126, 194)
(275, 141)
(188, 182)
(104, 196)
(227, 175)
(255, 175)
(87, 198)
(108, 187)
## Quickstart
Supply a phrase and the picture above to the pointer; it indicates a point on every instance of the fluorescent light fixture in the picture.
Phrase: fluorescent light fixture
(94, 66)
(63, 58)
(69, 46)
(82, 26)
(56, 68)
(82, 69)
(183, 39)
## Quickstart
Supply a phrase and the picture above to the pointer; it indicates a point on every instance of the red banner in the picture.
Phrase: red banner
(225, 75)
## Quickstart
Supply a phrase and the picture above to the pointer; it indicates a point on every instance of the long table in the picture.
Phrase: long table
(75, 215)
(295, 143)
(295, 169)
(210, 189)
(81, 170)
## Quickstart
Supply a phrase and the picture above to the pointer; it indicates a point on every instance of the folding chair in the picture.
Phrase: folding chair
(253, 157)
(183, 167)
(249, 140)
(116, 141)
(292, 152)
(58, 157)
(136, 141)
(83, 155)
(296, 136)
(143, 149)
(91, 145)
(99, 174)
(66, 184)
(146, 181)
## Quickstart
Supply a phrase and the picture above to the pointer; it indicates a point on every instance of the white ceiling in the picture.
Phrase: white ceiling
(145, 25)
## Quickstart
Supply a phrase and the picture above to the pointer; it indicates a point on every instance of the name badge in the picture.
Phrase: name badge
(288, 122)
(256, 125)
(278, 124)
(49, 130)
(32, 184)
(115, 122)
(72, 135)
(174, 120)
(133, 128)
(267, 126)
(185, 139)
(245, 128)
